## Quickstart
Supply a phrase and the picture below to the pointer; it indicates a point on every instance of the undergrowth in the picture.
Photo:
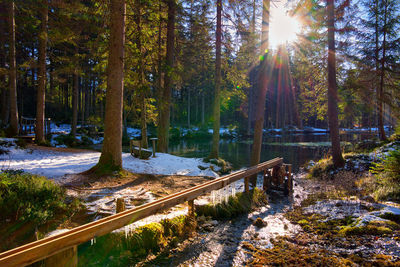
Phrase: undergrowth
(236, 205)
(29, 205)
(388, 177)
(119, 249)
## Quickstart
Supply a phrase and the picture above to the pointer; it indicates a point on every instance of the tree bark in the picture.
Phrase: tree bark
(111, 154)
(75, 95)
(4, 90)
(262, 89)
(41, 93)
(337, 157)
(164, 113)
(142, 87)
(13, 72)
(217, 91)
(382, 134)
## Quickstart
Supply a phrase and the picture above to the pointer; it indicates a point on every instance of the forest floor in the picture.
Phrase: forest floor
(324, 222)
(307, 228)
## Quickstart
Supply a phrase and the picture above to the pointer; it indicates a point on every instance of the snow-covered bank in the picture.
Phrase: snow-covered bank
(56, 164)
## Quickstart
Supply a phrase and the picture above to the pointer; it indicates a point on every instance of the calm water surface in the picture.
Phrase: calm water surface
(296, 149)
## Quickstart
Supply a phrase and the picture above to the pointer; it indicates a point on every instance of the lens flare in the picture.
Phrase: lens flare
(283, 28)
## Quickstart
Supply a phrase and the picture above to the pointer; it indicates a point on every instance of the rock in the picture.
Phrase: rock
(368, 199)
(214, 222)
(259, 222)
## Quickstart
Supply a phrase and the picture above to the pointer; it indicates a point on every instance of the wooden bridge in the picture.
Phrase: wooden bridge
(61, 249)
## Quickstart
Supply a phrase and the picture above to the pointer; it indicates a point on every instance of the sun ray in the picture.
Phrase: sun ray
(283, 27)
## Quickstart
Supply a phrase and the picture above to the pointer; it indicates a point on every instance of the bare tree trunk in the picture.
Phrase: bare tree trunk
(75, 95)
(188, 109)
(217, 91)
(41, 93)
(164, 113)
(143, 88)
(4, 90)
(382, 134)
(250, 110)
(111, 154)
(262, 89)
(202, 109)
(337, 157)
(13, 72)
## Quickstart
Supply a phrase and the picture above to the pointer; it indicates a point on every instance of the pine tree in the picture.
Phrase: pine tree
(13, 71)
(262, 89)
(165, 101)
(111, 154)
(40, 104)
(217, 91)
(337, 157)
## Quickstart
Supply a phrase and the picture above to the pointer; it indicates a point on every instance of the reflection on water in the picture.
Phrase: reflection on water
(238, 151)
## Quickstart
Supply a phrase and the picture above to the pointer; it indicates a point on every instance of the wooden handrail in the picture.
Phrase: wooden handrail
(49, 246)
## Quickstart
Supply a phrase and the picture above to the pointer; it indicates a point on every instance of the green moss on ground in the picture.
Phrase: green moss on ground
(118, 249)
(321, 235)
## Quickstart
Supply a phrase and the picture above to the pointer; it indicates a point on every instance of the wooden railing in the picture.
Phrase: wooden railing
(27, 125)
(49, 246)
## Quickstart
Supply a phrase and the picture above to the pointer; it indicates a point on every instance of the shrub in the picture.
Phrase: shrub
(322, 169)
(66, 139)
(27, 197)
(388, 176)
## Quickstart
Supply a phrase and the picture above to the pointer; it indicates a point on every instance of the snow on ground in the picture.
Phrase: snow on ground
(54, 164)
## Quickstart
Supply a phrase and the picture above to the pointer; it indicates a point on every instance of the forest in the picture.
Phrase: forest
(200, 90)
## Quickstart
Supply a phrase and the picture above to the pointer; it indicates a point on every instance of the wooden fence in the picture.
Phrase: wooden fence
(27, 125)
(49, 246)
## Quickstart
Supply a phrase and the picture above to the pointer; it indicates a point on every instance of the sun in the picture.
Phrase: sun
(283, 28)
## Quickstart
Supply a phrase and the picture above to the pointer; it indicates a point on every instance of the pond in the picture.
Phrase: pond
(295, 149)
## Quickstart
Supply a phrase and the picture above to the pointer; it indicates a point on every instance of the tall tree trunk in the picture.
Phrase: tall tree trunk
(337, 157)
(188, 108)
(250, 110)
(75, 95)
(4, 90)
(13, 72)
(202, 108)
(164, 113)
(111, 154)
(262, 89)
(41, 93)
(142, 86)
(382, 134)
(217, 93)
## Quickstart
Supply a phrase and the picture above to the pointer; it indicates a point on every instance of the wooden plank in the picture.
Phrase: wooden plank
(49, 246)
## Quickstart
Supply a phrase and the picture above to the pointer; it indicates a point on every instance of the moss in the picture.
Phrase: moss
(391, 217)
(239, 204)
(303, 222)
(284, 253)
(369, 229)
(118, 249)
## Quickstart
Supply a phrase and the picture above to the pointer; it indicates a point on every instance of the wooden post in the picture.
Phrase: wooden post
(290, 178)
(265, 180)
(67, 258)
(154, 146)
(120, 205)
(246, 184)
(191, 208)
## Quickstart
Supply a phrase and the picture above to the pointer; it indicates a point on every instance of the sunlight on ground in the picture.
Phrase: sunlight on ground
(283, 28)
